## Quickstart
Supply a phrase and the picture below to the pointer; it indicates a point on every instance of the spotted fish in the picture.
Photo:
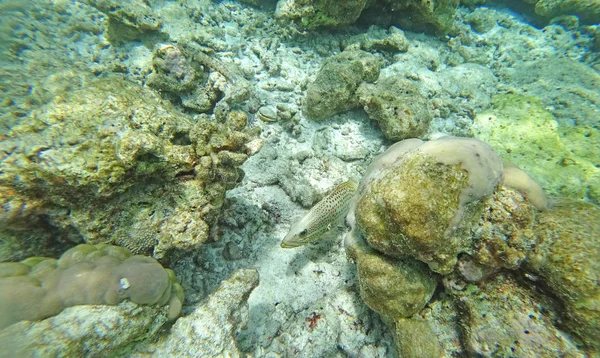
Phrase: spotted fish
(322, 216)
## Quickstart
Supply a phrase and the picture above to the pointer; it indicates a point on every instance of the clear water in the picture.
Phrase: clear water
(195, 133)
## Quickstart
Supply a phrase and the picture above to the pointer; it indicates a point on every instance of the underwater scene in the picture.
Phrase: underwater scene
(300, 178)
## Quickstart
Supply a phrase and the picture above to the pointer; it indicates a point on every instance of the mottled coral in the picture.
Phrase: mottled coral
(566, 259)
(503, 318)
(40, 287)
(320, 13)
(423, 205)
(112, 162)
(503, 235)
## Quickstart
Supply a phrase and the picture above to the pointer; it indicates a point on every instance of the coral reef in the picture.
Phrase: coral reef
(208, 331)
(393, 288)
(416, 196)
(416, 15)
(586, 10)
(224, 66)
(501, 237)
(377, 39)
(39, 287)
(182, 73)
(128, 20)
(502, 318)
(413, 338)
(320, 13)
(116, 164)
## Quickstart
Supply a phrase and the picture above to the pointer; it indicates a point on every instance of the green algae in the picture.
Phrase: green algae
(562, 159)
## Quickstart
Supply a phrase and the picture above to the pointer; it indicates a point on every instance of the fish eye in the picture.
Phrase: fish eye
(303, 232)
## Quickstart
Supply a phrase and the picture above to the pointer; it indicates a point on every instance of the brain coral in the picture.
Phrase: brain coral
(40, 287)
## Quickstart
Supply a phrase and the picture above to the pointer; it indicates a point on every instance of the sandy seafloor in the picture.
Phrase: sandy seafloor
(298, 165)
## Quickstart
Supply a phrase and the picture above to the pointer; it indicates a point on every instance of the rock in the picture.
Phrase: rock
(210, 331)
(118, 164)
(398, 107)
(412, 14)
(394, 288)
(503, 319)
(378, 39)
(587, 10)
(128, 20)
(173, 72)
(415, 15)
(83, 331)
(320, 13)
(333, 91)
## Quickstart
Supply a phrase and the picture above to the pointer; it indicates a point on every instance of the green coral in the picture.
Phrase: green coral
(414, 338)
(393, 288)
(40, 287)
(562, 159)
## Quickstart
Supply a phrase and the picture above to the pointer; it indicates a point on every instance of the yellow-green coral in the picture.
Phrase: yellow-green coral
(562, 159)
(112, 162)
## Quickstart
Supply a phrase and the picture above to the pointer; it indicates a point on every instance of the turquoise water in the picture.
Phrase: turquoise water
(153, 155)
